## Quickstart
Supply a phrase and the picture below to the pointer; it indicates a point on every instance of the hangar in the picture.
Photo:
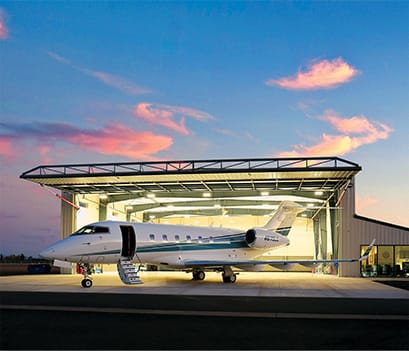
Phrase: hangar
(236, 193)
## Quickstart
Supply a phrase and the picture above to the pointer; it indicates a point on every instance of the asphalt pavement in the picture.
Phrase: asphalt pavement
(46, 320)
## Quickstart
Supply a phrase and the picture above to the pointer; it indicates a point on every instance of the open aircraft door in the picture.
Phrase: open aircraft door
(128, 241)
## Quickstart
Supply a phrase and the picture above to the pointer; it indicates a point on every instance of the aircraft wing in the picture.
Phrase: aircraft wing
(274, 263)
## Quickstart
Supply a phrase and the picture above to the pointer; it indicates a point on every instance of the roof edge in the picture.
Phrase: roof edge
(377, 221)
(193, 166)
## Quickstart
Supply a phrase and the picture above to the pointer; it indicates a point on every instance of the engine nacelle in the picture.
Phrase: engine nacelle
(262, 239)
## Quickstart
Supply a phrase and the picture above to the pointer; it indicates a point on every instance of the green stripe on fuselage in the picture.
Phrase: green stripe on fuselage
(235, 241)
(192, 246)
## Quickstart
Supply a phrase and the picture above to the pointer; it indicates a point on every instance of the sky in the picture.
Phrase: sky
(84, 82)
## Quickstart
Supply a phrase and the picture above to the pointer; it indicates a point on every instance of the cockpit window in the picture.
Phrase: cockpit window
(91, 229)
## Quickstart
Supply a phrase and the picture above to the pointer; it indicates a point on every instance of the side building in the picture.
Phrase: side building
(389, 257)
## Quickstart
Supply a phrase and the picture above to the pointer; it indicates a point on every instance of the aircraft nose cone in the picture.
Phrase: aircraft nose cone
(48, 253)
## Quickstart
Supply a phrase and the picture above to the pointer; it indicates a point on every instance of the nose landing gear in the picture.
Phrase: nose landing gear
(86, 270)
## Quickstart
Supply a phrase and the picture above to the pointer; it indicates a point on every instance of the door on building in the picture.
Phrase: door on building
(128, 241)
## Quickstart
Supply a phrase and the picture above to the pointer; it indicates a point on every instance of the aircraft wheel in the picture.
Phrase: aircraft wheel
(86, 283)
(198, 275)
(201, 275)
(229, 278)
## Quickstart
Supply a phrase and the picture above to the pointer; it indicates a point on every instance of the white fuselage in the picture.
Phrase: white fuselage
(158, 244)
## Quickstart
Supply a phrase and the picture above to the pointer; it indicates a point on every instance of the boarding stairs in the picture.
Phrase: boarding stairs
(127, 271)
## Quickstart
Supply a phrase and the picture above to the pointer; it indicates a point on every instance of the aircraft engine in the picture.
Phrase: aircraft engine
(261, 239)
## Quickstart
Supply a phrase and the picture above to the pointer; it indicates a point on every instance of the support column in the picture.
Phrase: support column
(329, 251)
(68, 221)
(317, 241)
(102, 210)
(68, 215)
(323, 234)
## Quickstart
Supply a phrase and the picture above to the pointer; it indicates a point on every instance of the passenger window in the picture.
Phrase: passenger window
(152, 237)
(177, 237)
(199, 238)
(164, 237)
(188, 237)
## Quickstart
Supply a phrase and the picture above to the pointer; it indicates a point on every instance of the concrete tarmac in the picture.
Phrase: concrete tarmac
(170, 311)
(179, 283)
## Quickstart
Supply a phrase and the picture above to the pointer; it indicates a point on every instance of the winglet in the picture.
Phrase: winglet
(367, 251)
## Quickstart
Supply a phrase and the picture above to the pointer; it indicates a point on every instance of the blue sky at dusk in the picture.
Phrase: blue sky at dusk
(85, 82)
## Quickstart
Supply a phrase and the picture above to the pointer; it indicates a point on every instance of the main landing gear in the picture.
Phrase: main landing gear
(229, 278)
(228, 275)
(86, 270)
(198, 275)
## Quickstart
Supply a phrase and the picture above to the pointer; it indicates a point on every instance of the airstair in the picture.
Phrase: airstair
(127, 271)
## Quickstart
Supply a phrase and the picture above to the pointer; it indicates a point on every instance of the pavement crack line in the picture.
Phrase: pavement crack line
(234, 314)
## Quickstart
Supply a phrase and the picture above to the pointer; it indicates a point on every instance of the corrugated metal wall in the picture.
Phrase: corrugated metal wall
(357, 231)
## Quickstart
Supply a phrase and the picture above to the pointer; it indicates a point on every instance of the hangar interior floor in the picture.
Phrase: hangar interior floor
(180, 283)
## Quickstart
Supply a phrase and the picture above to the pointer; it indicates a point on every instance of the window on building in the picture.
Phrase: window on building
(386, 260)
(177, 237)
(188, 237)
(152, 237)
(402, 259)
(164, 237)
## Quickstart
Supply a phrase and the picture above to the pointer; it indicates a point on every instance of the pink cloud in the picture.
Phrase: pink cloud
(355, 132)
(7, 152)
(323, 74)
(112, 139)
(187, 111)
(362, 203)
(117, 139)
(4, 33)
(371, 130)
(109, 79)
(44, 151)
(164, 115)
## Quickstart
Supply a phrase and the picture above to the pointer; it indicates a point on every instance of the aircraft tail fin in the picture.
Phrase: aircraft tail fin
(284, 217)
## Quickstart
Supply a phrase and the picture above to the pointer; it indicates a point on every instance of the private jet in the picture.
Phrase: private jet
(188, 248)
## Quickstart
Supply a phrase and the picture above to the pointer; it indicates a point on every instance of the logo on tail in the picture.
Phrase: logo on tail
(284, 217)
